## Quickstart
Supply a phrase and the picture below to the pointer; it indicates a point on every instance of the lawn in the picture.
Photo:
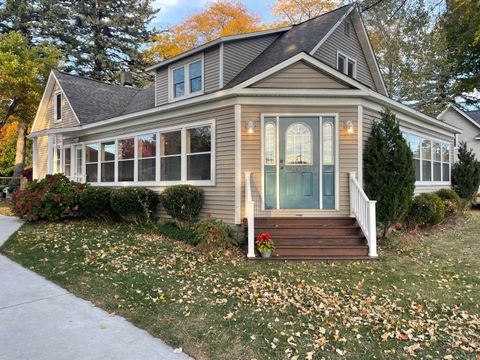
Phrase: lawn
(5, 208)
(420, 299)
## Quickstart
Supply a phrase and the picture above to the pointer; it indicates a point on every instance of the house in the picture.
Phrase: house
(469, 123)
(271, 124)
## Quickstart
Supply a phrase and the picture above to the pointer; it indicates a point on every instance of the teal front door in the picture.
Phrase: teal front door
(299, 168)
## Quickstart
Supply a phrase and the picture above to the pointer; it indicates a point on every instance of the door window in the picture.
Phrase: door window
(298, 140)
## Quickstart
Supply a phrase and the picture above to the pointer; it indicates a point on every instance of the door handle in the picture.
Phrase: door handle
(281, 161)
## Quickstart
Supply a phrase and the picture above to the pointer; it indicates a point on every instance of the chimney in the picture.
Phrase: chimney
(126, 78)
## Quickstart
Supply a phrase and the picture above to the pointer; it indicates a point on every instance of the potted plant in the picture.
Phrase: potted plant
(265, 245)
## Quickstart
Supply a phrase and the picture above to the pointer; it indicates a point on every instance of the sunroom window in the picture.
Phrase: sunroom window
(171, 156)
(91, 162)
(199, 149)
(126, 159)
(107, 163)
(147, 149)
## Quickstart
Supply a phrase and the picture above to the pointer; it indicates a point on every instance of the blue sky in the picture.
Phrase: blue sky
(173, 11)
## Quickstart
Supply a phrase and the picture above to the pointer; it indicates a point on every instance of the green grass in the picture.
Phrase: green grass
(421, 298)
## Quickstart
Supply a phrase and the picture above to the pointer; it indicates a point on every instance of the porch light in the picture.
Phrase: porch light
(349, 126)
(250, 127)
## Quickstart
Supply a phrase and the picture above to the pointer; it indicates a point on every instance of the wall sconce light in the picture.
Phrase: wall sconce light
(250, 127)
(349, 126)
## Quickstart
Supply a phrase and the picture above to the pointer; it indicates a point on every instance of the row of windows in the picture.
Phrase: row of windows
(174, 156)
(431, 159)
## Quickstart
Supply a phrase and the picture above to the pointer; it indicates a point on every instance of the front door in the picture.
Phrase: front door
(298, 163)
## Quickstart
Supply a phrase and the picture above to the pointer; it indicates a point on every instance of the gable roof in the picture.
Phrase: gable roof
(472, 116)
(475, 115)
(93, 100)
(300, 38)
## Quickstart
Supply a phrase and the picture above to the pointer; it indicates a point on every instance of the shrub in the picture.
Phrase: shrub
(426, 209)
(95, 201)
(52, 198)
(183, 203)
(466, 173)
(214, 234)
(134, 204)
(389, 172)
(171, 230)
(451, 200)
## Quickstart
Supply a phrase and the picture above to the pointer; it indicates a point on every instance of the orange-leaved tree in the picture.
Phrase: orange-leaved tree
(293, 12)
(218, 19)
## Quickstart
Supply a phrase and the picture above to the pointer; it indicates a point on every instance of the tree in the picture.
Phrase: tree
(23, 73)
(466, 173)
(388, 171)
(296, 11)
(221, 18)
(8, 136)
(461, 31)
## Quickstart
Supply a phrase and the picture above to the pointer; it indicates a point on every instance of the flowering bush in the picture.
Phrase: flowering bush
(52, 198)
(265, 243)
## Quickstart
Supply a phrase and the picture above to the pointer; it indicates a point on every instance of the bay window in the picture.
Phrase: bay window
(431, 159)
(67, 168)
(126, 159)
(183, 154)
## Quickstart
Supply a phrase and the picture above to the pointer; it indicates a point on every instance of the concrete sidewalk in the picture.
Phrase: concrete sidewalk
(40, 320)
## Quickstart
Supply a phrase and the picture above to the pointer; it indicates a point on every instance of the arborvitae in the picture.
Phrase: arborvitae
(466, 173)
(389, 172)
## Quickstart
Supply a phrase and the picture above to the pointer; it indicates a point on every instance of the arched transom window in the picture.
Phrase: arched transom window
(298, 139)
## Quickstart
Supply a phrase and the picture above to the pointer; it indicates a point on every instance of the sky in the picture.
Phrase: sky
(173, 12)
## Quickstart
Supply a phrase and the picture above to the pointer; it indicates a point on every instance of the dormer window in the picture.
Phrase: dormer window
(346, 65)
(186, 80)
(58, 106)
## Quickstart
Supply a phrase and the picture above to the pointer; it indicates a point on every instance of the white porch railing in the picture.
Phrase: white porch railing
(364, 211)
(250, 214)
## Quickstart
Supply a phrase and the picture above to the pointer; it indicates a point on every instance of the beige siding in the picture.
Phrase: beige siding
(42, 156)
(350, 46)
(219, 199)
(47, 121)
(251, 153)
(161, 86)
(238, 54)
(212, 69)
(300, 76)
(370, 116)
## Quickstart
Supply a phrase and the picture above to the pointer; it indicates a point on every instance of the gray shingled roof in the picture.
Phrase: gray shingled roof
(475, 115)
(94, 100)
(300, 38)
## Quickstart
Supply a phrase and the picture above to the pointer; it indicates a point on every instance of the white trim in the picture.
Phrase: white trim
(238, 164)
(215, 42)
(330, 32)
(55, 105)
(186, 80)
(220, 66)
(34, 159)
(360, 144)
(157, 132)
(462, 113)
(345, 65)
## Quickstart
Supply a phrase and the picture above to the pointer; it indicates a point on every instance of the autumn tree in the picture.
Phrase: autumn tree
(218, 19)
(23, 73)
(296, 11)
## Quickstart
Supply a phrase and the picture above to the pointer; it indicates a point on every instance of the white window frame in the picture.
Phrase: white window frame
(71, 160)
(55, 102)
(183, 129)
(432, 161)
(186, 66)
(345, 65)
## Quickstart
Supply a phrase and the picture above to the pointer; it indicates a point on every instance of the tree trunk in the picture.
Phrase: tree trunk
(19, 154)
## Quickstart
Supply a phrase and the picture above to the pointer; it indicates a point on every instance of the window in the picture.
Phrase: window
(187, 80)
(147, 150)
(107, 163)
(171, 156)
(199, 149)
(431, 159)
(298, 138)
(58, 106)
(346, 65)
(327, 141)
(78, 172)
(347, 28)
(270, 143)
(126, 159)
(91, 162)
(67, 168)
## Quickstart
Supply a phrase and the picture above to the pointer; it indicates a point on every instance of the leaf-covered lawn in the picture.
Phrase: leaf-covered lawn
(5, 208)
(420, 299)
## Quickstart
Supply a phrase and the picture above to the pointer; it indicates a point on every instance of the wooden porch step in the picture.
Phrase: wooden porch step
(323, 250)
(303, 221)
(321, 241)
(313, 258)
(287, 231)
